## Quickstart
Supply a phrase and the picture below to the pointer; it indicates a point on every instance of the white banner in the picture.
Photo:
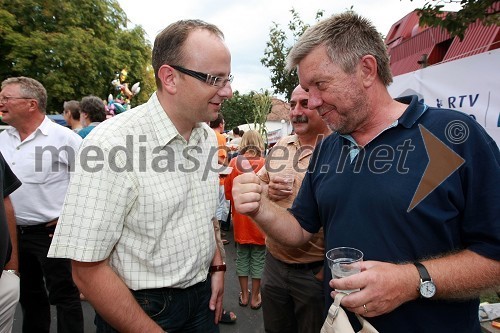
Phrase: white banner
(470, 85)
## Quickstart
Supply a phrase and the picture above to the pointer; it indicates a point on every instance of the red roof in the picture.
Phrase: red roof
(279, 110)
(408, 44)
(478, 39)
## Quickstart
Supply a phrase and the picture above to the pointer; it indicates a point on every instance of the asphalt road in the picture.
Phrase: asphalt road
(248, 320)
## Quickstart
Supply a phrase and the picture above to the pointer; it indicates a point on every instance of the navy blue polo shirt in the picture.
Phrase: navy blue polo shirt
(366, 203)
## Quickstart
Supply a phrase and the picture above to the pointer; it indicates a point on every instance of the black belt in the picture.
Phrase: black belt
(36, 227)
(304, 266)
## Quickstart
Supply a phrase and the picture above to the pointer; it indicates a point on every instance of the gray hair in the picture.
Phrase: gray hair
(347, 38)
(30, 88)
(168, 45)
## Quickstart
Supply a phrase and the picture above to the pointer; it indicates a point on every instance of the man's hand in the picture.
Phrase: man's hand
(215, 303)
(247, 190)
(278, 188)
(384, 287)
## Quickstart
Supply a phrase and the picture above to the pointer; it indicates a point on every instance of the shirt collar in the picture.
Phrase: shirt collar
(292, 139)
(413, 112)
(166, 131)
(43, 128)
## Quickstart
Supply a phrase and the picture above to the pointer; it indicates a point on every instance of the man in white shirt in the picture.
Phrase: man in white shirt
(137, 217)
(41, 154)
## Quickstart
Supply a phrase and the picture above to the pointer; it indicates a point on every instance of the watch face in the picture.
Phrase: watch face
(427, 289)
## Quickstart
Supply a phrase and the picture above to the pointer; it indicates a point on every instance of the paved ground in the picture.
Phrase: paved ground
(249, 321)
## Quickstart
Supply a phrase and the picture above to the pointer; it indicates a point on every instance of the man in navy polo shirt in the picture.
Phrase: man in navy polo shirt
(415, 188)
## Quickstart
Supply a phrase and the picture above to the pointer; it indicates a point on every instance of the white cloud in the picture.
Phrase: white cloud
(246, 24)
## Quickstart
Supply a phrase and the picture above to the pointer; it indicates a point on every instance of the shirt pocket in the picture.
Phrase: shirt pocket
(38, 168)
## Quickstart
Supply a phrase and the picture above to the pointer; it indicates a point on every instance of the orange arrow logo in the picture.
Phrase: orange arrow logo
(443, 161)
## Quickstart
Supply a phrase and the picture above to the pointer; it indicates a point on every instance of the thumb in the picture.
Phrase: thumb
(244, 165)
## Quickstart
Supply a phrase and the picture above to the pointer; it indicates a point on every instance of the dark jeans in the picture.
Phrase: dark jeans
(34, 267)
(292, 298)
(175, 310)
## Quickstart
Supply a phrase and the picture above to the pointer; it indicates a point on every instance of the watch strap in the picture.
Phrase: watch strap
(424, 274)
(217, 268)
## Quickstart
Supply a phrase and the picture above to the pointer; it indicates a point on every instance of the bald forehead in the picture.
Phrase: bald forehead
(299, 93)
(206, 49)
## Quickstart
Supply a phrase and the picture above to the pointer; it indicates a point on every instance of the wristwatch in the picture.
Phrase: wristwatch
(427, 288)
(217, 268)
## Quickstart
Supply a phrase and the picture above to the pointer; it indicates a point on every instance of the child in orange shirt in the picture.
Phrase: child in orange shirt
(250, 240)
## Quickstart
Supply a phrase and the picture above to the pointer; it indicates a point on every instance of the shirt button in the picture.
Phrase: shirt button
(13, 163)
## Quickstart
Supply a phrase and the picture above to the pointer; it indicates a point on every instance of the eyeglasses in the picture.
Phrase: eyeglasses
(215, 81)
(6, 99)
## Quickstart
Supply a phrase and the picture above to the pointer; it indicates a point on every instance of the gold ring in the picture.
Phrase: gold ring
(364, 307)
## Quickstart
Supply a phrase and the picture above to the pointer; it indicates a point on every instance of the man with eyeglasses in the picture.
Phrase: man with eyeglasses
(41, 154)
(138, 222)
(292, 281)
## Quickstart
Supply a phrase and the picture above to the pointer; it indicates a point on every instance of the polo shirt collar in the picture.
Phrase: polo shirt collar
(165, 130)
(292, 139)
(413, 112)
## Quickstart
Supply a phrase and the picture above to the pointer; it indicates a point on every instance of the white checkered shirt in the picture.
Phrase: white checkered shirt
(143, 197)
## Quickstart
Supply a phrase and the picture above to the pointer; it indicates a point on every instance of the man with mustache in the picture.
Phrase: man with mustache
(292, 287)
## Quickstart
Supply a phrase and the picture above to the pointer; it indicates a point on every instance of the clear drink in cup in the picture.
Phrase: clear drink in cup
(289, 180)
(343, 262)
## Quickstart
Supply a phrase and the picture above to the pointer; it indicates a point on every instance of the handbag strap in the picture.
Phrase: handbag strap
(334, 308)
(333, 311)
(338, 298)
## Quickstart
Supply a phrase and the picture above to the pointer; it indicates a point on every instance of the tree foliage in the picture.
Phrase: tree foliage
(252, 108)
(238, 110)
(457, 22)
(276, 51)
(74, 48)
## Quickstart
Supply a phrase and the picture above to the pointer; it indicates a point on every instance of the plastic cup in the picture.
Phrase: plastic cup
(343, 262)
(289, 179)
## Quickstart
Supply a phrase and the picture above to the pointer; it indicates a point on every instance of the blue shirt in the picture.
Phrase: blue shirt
(366, 204)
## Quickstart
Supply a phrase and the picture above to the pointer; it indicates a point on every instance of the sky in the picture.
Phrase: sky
(246, 24)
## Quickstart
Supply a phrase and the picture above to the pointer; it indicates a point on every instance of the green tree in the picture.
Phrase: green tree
(252, 108)
(73, 48)
(276, 51)
(238, 110)
(457, 22)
